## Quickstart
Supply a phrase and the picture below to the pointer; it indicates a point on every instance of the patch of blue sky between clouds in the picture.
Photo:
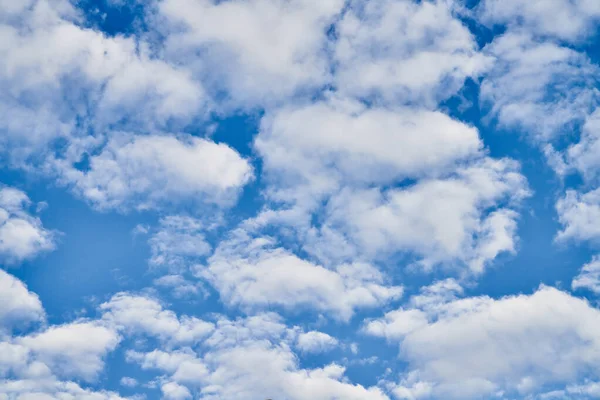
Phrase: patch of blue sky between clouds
(299, 199)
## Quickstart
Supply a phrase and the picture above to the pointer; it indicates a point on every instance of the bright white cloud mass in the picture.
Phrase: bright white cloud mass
(299, 199)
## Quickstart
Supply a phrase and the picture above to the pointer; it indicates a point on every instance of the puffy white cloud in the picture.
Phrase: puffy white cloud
(177, 240)
(539, 87)
(51, 389)
(173, 391)
(579, 213)
(73, 350)
(324, 142)
(60, 80)
(544, 18)
(477, 347)
(145, 315)
(251, 358)
(442, 220)
(272, 50)
(22, 235)
(583, 155)
(254, 273)
(149, 171)
(316, 342)
(17, 304)
(404, 51)
(589, 277)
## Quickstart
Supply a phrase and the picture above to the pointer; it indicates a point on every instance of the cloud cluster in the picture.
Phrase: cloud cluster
(477, 347)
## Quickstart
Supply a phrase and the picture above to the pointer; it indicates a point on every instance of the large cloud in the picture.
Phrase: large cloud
(151, 171)
(250, 358)
(544, 18)
(22, 235)
(254, 66)
(404, 52)
(255, 273)
(479, 347)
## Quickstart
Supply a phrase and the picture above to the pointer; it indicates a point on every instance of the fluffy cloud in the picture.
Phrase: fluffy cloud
(18, 305)
(254, 273)
(579, 213)
(439, 220)
(403, 51)
(539, 87)
(252, 64)
(316, 342)
(543, 18)
(62, 81)
(582, 156)
(320, 141)
(472, 347)
(589, 277)
(73, 350)
(177, 240)
(22, 235)
(144, 315)
(249, 358)
(149, 171)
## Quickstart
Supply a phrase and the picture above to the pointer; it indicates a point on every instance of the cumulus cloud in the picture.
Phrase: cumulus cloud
(251, 64)
(18, 305)
(404, 52)
(316, 342)
(543, 18)
(62, 81)
(146, 172)
(320, 141)
(589, 277)
(255, 273)
(73, 350)
(538, 87)
(440, 220)
(145, 315)
(22, 235)
(579, 214)
(472, 347)
(178, 240)
(247, 358)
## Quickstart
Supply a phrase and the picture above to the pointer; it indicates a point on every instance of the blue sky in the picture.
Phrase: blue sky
(299, 199)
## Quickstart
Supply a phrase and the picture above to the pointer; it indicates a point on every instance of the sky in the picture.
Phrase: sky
(299, 199)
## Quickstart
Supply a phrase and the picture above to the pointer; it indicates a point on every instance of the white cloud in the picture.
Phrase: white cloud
(63, 82)
(22, 235)
(17, 304)
(254, 273)
(544, 18)
(251, 358)
(178, 240)
(583, 155)
(325, 142)
(539, 87)
(179, 286)
(51, 389)
(149, 171)
(272, 49)
(128, 382)
(316, 342)
(173, 391)
(73, 350)
(404, 51)
(589, 277)
(468, 217)
(579, 214)
(475, 347)
(144, 315)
